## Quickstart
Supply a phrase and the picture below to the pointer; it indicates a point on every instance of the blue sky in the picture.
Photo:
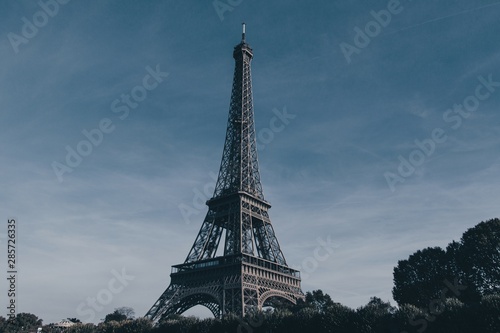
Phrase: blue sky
(354, 118)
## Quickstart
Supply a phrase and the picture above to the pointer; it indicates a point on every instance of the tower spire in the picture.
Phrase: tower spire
(239, 169)
(243, 34)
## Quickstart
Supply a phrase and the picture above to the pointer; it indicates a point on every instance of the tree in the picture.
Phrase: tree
(120, 314)
(80, 328)
(22, 322)
(374, 317)
(490, 313)
(306, 319)
(410, 318)
(75, 320)
(317, 313)
(452, 317)
(479, 257)
(420, 279)
(473, 263)
(316, 300)
(115, 316)
(112, 326)
(140, 325)
(339, 319)
(127, 311)
(470, 294)
(179, 324)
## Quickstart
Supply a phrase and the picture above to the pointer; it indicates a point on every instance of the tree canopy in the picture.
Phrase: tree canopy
(120, 314)
(472, 265)
(479, 257)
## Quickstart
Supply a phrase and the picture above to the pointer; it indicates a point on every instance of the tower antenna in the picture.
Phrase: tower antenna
(243, 34)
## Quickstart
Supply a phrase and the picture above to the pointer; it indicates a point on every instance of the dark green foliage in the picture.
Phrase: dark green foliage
(120, 314)
(410, 318)
(473, 263)
(419, 279)
(315, 300)
(488, 314)
(450, 317)
(479, 257)
(181, 324)
(115, 316)
(75, 320)
(79, 328)
(140, 325)
(23, 322)
(338, 318)
(318, 300)
(375, 317)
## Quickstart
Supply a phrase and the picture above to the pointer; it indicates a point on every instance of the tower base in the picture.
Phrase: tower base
(238, 284)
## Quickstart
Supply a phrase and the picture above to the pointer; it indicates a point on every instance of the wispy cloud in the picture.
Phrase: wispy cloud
(323, 173)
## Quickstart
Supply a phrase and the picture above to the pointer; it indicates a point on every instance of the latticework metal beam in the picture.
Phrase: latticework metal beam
(252, 268)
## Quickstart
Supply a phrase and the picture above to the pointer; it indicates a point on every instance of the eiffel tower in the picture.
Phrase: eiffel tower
(252, 272)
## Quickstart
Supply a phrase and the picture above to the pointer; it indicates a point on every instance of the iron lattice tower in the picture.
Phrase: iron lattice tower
(252, 271)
